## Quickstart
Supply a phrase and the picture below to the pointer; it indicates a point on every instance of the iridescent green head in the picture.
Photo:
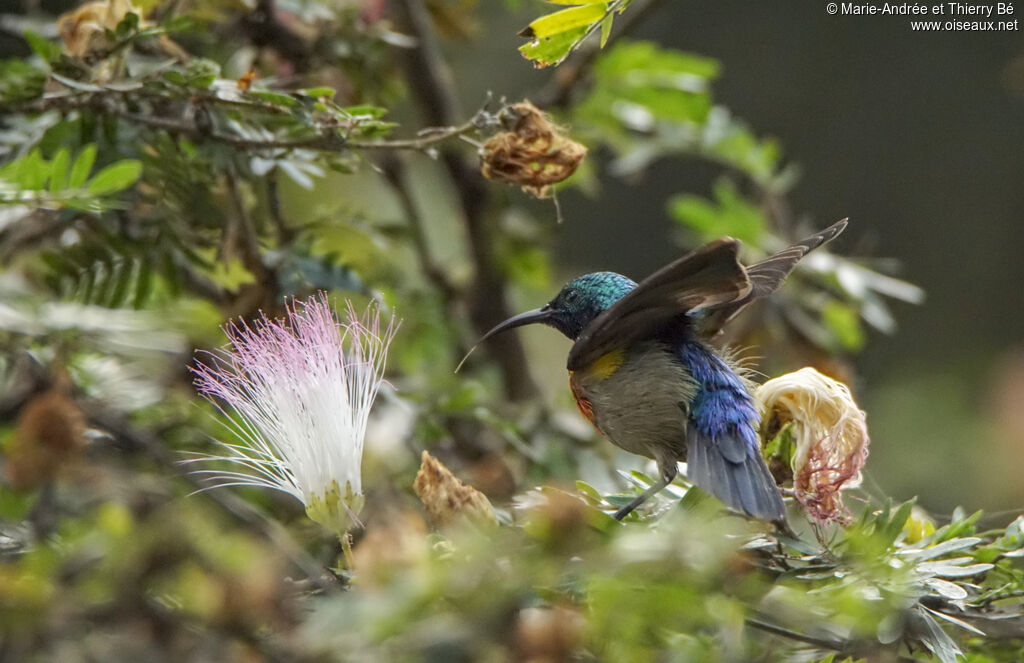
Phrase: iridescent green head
(583, 299)
(575, 306)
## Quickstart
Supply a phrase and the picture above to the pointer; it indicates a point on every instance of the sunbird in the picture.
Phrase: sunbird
(643, 371)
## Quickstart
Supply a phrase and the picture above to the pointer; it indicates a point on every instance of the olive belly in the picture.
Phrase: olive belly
(642, 405)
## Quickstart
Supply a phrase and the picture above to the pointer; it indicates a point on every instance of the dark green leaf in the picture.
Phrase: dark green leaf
(143, 282)
(128, 25)
(20, 81)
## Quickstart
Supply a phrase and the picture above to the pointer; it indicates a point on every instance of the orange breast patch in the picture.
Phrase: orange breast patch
(582, 402)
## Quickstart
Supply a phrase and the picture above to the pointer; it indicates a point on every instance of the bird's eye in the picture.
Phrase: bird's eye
(571, 296)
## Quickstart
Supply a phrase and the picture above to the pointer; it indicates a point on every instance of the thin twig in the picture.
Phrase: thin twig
(332, 142)
(265, 293)
(842, 647)
(822, 643)
(327, 142)
(285, 234)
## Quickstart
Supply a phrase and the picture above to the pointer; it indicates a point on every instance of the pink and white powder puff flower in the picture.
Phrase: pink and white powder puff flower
(298, 392)
(829, 433)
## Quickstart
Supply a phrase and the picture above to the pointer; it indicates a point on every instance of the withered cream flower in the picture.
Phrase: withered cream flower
(299, 392)
(829, 433)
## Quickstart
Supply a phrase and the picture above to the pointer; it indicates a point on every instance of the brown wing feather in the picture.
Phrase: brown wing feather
(766, 276)
(709, 276)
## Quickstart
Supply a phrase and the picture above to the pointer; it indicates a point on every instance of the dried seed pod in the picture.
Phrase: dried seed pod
(532, 152)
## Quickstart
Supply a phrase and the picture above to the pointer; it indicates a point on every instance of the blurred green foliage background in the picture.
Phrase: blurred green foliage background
(166, 167)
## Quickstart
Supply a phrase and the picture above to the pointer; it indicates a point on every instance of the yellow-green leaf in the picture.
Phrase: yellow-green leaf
(59, 169)
(115, 177)
(82, 167)
(606, 29)
(552, 50)
(564, 21)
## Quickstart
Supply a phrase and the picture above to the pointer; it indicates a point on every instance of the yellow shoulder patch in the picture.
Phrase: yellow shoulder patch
(606, 364)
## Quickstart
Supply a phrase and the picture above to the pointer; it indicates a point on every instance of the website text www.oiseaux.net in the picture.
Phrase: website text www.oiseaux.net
(941, 17)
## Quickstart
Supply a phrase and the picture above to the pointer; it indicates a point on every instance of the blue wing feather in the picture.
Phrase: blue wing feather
(723, 453)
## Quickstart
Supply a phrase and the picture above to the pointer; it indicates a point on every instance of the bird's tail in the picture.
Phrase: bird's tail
(734, 473)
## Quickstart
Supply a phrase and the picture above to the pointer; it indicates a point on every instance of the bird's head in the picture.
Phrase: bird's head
(575, 306)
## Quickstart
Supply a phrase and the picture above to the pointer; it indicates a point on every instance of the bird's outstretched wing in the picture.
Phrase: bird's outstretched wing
(765, 278)
(709, 276)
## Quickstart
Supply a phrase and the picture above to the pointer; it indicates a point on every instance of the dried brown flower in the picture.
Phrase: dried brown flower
(49, 434)
(448, 500)
(84, 28)
(830, 435)
(532, 153)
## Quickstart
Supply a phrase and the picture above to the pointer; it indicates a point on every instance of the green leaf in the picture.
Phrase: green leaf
(782, 446)
(15, 506)
(82, 167)
(589, 492)
(963, 525)
(174, 76)
(143, 282)
(32, 171)
(556, 35)
(844, 323)
(552, 50)
(564, 21)
(178, 23)
(730, 214)
(891, 529)
(59, 169)
(43, 47)
(944, 548)
(696, 499)
(322, 91)
(201, 73)
(115, 177)
(118, 283)
(277, 98)
(641, 91)
(372, 112)
(935, 639)
(606, 29)
(20, 81)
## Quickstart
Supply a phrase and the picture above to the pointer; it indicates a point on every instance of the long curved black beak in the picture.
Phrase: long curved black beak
(527, 318)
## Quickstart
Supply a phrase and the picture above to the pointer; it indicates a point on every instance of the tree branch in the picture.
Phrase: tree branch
(433, 85)
(821, 643)
(327, 141)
